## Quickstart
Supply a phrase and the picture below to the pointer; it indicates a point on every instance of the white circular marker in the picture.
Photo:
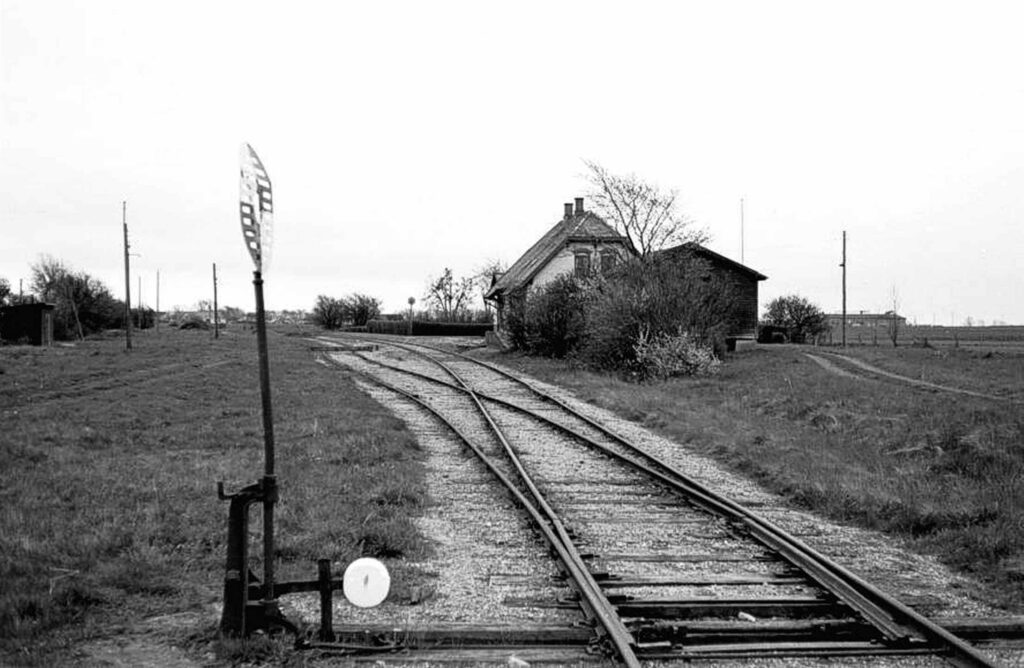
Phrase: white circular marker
(366, 582)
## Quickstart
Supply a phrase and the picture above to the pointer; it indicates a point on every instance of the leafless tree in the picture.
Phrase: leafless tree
(642, 212)
(484, 276)
(449, 296)
(894, 320)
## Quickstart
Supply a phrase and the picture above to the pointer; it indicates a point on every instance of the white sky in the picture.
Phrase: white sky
(403, 137)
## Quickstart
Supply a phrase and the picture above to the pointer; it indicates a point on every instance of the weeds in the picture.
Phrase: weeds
(108, 465)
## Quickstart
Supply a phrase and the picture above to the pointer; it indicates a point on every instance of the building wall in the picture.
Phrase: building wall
(565, 261)
(745, 292)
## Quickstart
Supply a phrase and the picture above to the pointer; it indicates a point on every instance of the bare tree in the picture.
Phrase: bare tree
(485, 275)
(894, 320)
(642, 212)
(449, 296)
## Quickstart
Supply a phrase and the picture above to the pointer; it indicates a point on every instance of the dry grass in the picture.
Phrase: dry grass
(992, 370)
(944, 471)
(108, 465)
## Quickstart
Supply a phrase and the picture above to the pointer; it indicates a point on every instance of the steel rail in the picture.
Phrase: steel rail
(894, 619)
(597, 605)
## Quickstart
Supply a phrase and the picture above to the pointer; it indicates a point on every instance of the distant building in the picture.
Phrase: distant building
(27, 323)
(865, 319)
(863, 326)
(582, 243)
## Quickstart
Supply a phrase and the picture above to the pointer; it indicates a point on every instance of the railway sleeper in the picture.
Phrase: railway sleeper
(786, 608)
(709, 632)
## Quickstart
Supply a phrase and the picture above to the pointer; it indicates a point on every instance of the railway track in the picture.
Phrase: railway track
(662, 567)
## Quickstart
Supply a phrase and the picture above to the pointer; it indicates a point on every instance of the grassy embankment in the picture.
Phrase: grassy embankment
(944, 471)
(108, 465)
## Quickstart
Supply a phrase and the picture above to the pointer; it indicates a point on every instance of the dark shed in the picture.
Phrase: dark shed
(741, 279)
(27, 323)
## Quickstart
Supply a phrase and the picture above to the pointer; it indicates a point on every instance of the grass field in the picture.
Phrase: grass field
(108, 466)
(945, 472)
(996, 337)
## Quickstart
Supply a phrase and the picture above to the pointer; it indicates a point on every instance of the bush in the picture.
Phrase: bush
(642, 308)
(193, 321)
(802, 319)
(656, 296)
(356, 309)
(666, 356)
(551, 320)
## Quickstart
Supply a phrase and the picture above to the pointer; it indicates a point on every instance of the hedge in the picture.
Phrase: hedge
(429, 328)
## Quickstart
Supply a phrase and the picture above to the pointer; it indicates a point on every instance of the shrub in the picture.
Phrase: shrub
(657, 296)
(670, 310)
(802, 319)
(357, 309)
(666, 355)
(550, 320)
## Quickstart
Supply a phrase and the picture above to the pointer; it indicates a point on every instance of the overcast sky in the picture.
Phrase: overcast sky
(404, 137)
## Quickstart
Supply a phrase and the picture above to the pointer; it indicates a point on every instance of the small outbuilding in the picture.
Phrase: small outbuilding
(27, 323)
(738, 278)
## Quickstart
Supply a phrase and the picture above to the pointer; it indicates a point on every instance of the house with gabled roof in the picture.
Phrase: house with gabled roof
(580, 243)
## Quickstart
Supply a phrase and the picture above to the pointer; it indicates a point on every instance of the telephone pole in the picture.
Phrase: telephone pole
(843, 265)
(216, 318)
(742, 243)
(127, 281)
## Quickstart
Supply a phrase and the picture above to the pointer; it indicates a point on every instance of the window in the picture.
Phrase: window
(582, 264)
(608, 260)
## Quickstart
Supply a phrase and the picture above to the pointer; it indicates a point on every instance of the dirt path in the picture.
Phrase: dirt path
(830, 367)
(864, 366)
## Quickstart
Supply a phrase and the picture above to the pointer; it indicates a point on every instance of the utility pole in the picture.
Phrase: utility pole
(216, 318)
(742, 244)
(843, 265)
(127, 281)
(158, 301)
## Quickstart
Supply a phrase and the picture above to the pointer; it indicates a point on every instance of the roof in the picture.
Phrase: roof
(864, 315)
(712, 256)
(585, 226)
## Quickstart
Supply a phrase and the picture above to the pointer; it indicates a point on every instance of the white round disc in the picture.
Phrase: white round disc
(366, 582)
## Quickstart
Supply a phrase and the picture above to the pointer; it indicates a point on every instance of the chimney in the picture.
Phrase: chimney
(568, 209)
(579, 205)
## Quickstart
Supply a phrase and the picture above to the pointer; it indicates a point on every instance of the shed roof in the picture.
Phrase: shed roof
(713, 257)
(584, 226)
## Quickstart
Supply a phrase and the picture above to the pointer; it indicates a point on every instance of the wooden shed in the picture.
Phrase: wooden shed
(740, 279)
(27, 323)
